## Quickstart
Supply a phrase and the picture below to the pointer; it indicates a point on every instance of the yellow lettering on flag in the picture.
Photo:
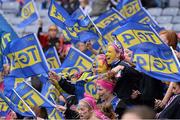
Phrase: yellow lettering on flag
(131, 38)
(27, 10)
(109, 35)
(25, 58)
(5, 39)
(55, 14)
(131, 8)
(108, 20)
(83, 63)
(17, 81)
(54, 115)
(3, 106)
(154, 64)
(53, 63)
(32, 99)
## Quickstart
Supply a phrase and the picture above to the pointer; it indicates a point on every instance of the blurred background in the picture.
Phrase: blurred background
(165, 12)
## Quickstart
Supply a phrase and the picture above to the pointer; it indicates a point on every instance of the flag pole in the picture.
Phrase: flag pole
(40, 94)
(24, 103)
(97, 29)
(175, 56)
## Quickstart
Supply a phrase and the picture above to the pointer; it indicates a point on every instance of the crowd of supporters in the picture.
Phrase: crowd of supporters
(123, 92)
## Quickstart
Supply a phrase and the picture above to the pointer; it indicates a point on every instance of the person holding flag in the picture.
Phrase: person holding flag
(128, 79)
(48, 40)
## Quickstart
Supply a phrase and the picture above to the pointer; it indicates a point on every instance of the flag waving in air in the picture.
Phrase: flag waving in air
(129, 7)
(77, 60)
(151, 55)
(32, 97)
(52, 58)
(20, 108)
(131, 35)
(29, 13)
(28, 58)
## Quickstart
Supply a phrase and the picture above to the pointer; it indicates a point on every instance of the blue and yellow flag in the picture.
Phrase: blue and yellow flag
(76, 58)
(144, 17)
(78, 14)
(11, 83)
(1, 61)
(71, 26)
(109, 29)
(50, 92)
(131, 35)
(28, 58)
(54, 114)
(52, 58)
(157, 61)
(109, 17)
(32, 97)
(151, 55)
(7, 34)
(17, 105)
(129, 7)
(59, 15)
(107, 23)
(29, 13)
(90, 88)
(68, 71)
(4, 108)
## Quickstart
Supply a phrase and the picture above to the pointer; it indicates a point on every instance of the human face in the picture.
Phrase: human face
(102, 92)
(81, 46)
(164, 38)
(111, 54)
(100, 67)
(128, 55)
(84, 110)
(52, 31)
(176, 88)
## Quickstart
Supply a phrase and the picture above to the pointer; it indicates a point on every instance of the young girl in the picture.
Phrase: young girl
(87, 109)
(106, 96)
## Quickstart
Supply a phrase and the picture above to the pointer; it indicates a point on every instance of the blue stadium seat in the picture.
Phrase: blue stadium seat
(43, 13)
(167, 26)
(155, 11)
(174, 3)
(10, 7)
(164, 19)
(176, 19)
(176, 27)
(31, 29)
(170, 11)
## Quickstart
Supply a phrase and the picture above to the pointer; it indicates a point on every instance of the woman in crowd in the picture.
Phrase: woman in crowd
(132, 86)
(171, 39)
(105, 91)
(87, 109)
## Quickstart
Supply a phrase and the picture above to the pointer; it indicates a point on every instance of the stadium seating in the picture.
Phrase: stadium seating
(170, 11)
(155, 11)
(174, 3)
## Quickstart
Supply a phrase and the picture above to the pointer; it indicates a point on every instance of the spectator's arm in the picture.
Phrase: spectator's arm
(40, 28)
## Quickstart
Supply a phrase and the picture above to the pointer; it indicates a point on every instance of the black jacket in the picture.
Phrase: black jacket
(150, 88)
(172, 111)
(127, 82)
